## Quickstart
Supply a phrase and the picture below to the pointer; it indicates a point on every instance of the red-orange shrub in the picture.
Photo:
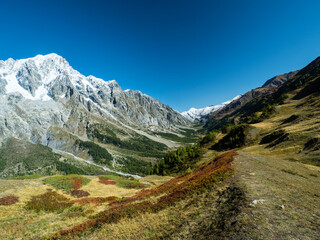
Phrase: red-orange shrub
(107, 182)
(77, 183)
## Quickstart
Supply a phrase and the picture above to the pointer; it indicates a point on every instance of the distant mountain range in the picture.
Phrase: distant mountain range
(55, 88)
(195, 114)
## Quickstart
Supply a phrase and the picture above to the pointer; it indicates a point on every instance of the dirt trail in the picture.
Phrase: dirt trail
(284, 197)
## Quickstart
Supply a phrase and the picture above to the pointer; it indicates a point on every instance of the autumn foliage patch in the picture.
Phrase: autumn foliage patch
(9, 200)
(67, 183)
(203, 177)
(107, 182)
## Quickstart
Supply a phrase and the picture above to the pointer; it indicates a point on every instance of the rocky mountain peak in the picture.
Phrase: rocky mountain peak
(60, 94)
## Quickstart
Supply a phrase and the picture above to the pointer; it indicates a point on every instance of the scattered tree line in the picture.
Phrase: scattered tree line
(135, 166)
(178, 161)
(235, 138)
(184, 158)
(68, 168)
(209, 138)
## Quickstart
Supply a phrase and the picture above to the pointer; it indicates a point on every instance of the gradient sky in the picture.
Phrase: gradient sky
(184, 53)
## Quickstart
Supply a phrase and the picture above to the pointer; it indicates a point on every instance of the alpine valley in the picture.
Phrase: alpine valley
(45, 102)
(82, 159)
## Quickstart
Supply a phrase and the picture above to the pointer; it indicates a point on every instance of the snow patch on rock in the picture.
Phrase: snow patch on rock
(195, 114)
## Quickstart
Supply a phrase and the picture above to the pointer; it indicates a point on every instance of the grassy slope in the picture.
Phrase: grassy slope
(300, 131)
(285, 176)
(19, 157)
(295, 113)
(304, 83)
(160, 198)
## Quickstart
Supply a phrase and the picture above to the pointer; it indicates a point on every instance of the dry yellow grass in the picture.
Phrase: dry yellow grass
(24, 189)
(277, 175)
(145, 226)
(174, 222)
(97, 189)
(207, 156)
(156, 180)
(18, 223)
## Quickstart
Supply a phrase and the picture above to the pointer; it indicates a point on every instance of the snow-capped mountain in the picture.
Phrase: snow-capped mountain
(39, 93)
(195, 114)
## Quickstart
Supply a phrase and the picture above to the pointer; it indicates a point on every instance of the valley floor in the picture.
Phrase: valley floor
(266, 198)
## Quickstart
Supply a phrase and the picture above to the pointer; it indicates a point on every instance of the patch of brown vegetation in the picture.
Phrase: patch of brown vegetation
(9, 200)
(95, 200)
(50, 201)
(79, 193)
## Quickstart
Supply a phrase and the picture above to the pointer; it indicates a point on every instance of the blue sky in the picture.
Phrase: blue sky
(184, 53)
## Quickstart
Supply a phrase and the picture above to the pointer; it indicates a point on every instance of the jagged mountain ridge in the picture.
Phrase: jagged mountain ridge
(42, 91)
(301, 84)
(269, 86)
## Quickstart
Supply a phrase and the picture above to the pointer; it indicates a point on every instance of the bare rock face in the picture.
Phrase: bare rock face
(279, 80)
(3, 84)
(28, 78)
(39, 93)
